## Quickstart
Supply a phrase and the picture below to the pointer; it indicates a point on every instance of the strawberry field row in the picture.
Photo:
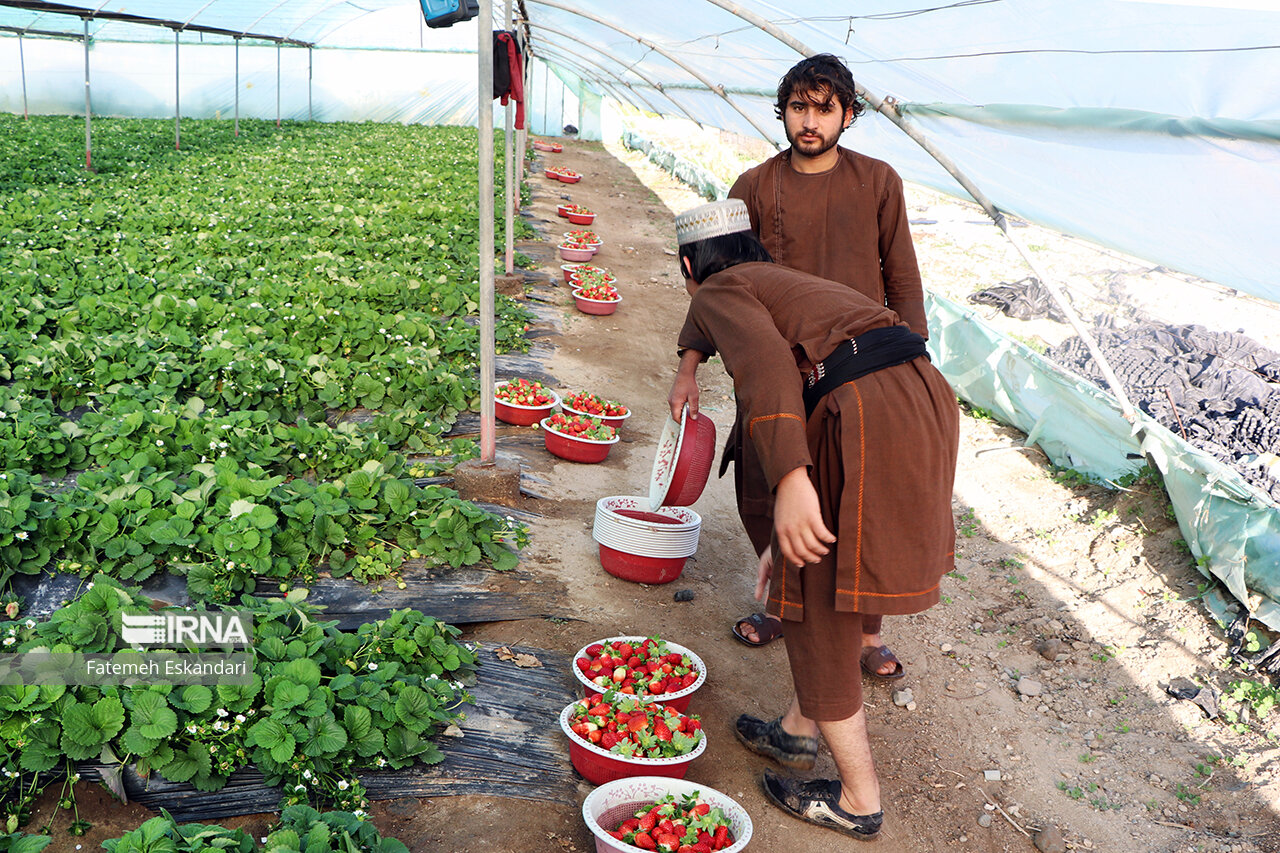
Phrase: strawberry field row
(182, 322)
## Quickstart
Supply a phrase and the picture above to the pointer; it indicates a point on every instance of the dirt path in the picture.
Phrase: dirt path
(1092, 745)
(998, 739)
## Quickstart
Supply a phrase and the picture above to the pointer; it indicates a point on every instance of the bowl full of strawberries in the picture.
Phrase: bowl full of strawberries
(578, 438)
(597, 299)
(610, 412)
(664, 814)
(521, 402)
(648, 667)
(614, 735)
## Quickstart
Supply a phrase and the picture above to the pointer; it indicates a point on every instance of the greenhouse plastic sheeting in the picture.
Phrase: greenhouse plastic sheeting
(1233, 530)
(1148, 127)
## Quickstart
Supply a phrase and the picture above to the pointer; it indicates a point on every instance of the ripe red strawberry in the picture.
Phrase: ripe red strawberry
(693, 725)
(668, 841)
(721, 837)
(649, 821)
(638, 723)
(688, 680)
(594, 650)
(701, 808)
(661, 730)
(609, 740)
(666, 827)
(583, 664)
(616, 833)
(644, 841)
(629, 824)
(702, 847)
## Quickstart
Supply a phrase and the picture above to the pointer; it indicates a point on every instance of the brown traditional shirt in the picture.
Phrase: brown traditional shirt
(881, 449)
(848, 224)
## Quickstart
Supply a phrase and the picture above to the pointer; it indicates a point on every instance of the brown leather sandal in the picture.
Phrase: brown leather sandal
(766, 630)
(874, 657)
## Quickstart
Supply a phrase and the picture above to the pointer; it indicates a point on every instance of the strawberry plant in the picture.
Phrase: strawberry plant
(323, 703)
(672, 825)
(599, 292)
(579, 426)
(246, 307)
(647, 668)
(626, 726)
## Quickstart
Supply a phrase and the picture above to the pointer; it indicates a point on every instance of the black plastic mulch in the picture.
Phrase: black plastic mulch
(1219, 391)
(511, 746)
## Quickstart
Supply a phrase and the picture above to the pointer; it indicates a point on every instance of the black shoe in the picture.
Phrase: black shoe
(819, 802)
(769, 739)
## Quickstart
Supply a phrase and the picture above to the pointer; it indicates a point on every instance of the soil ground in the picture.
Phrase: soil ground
(1094, 748)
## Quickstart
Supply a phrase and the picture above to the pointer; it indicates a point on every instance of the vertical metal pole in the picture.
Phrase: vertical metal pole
(546, 87)
(177, 107)
(310, 75)
(488, 432)
(88, 132)
(278, 45)
(509, 145)
(237, 87)
(522, 138)
(22, 65)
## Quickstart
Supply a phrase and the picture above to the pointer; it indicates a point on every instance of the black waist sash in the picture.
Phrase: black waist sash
(854, 358)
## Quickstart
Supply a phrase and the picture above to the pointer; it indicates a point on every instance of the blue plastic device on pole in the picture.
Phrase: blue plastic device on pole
(446, 13)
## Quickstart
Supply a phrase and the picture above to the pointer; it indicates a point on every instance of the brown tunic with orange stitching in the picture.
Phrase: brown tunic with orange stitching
(881, 450)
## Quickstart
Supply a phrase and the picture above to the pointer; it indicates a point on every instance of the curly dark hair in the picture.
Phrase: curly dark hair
(822, 72)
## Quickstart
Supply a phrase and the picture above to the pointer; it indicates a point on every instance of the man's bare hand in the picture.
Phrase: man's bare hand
(685, 388)
(766, 574)
(797, 518)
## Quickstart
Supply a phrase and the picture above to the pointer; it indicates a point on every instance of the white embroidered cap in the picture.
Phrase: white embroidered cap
(712, 220)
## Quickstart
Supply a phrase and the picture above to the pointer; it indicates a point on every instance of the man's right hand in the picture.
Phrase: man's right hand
(685, 388)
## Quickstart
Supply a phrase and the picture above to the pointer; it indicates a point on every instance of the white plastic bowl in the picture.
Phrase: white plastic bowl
(614, 802)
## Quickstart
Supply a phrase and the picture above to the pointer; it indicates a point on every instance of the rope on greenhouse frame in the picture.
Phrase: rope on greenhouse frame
(889, 111)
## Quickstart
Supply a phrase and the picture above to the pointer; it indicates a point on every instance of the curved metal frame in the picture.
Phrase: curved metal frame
(652, 83)
(890, 112)
(719, 90)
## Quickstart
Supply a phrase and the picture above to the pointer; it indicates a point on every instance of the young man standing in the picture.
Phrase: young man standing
(856, 435)
(836, 214)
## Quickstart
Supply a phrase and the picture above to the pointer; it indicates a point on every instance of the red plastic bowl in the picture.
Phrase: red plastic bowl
(575, 449)
(598, 766)
(581, 218)
(638, 569)
(517, 415)
(562, 210)
(598, 307)
(677, 700)
(569, 179)
(552, 173)
(683, 461)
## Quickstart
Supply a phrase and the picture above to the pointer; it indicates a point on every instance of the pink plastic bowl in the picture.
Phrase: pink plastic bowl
(598, 307)
(573, 255)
